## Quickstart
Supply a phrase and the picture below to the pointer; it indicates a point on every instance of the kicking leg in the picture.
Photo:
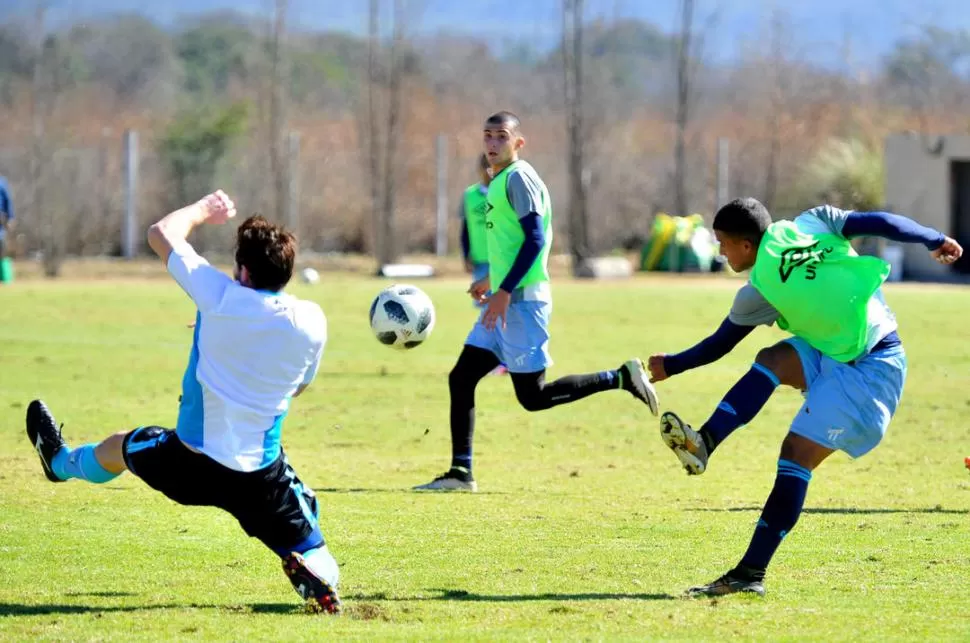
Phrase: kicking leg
(799, 457)
(778, 364)
(473, 364)
(535, 394)
(96, 463)
(309, 565)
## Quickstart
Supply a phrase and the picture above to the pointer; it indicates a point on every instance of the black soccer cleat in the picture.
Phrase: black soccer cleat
(45, 435)
(317, 593)
(738, 580)
(454, 479)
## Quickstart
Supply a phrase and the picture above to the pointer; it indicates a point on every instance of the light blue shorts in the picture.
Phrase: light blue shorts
(523, 345)
(479, 272)
(848, 406)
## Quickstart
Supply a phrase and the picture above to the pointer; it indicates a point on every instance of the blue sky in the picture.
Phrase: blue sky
(820, 26)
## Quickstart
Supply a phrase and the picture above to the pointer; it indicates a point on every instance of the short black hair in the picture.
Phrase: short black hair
(504, 118)
(744, 219)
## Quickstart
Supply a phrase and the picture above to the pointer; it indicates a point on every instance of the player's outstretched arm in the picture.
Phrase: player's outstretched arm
(710, 349)
(175, 227)
(902, 229)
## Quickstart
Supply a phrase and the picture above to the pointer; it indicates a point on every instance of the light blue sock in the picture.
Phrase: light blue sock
(80, 463)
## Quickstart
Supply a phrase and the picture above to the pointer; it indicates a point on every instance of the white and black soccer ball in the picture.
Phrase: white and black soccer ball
(402, 316)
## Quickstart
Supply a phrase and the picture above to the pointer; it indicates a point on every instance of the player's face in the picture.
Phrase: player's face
(501, 144)
(739, 253)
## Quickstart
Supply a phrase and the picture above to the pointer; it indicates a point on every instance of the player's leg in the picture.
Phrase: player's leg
(274, 505)
(96, 463)
(525, 345)
(4, 264)
(848, 408)
(535, 394)
(474, 363)
(799, 457)
(791, 362)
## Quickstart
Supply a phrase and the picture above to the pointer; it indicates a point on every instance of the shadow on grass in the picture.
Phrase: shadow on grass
(356, 609)
(845, 510)
(403, 490)
(16, 609)
(462, 595)
(100, 594)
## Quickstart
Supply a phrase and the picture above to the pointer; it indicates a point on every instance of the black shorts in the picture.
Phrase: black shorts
(271, 504)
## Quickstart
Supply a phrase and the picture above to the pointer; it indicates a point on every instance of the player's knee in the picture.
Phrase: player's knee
(459, 380)
(531, 403)
(530, 397)
(769, 358)
(782, 360)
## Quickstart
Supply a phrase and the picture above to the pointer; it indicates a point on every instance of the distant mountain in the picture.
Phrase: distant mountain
(825, 30)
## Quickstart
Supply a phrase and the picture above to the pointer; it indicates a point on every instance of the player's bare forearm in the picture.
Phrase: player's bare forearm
(174, 228)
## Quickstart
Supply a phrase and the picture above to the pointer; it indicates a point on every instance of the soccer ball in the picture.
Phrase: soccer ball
(402, 316)
(309, 276)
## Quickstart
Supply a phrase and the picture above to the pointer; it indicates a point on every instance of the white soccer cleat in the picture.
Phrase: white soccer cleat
(455, 479)
(685, 442)
(639, 384)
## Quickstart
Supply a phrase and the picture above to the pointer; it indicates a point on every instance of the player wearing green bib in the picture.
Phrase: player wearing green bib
(474, 240)
(845, 353)
(471, 212)
(514, 326)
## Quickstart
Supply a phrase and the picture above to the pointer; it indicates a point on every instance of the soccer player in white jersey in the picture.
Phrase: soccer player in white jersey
(254, 349)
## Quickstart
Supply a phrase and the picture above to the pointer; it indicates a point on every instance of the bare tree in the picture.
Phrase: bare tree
(388, 249)
(572, 65)
(776, 105)
(279, 90)
(39, 157)
(383, 128)
(373, 125)
(684, 78)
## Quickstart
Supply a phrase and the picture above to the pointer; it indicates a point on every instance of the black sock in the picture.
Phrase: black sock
(741, 404)
(536, 395)
(473, 364)
(781, 512)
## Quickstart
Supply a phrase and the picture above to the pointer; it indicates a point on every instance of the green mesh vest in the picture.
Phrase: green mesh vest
(475, 206)
(505, 234)
(820, 287)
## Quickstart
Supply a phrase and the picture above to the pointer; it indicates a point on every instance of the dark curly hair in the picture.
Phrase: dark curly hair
(267, 251)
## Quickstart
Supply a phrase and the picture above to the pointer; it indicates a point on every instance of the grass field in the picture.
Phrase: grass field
(585, 527)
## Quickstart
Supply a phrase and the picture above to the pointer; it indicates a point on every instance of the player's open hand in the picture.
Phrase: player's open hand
(656, 367)
(479, 290)
(218, 208)
(949, 252)
(497, 309)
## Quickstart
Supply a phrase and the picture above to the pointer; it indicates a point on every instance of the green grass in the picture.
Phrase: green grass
(586, 528)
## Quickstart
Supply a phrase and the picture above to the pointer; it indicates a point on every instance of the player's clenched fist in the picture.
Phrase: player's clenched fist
(656, 367)
(218, 207)
(949, 252)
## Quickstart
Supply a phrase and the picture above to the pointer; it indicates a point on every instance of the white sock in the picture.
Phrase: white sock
(322, 563)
